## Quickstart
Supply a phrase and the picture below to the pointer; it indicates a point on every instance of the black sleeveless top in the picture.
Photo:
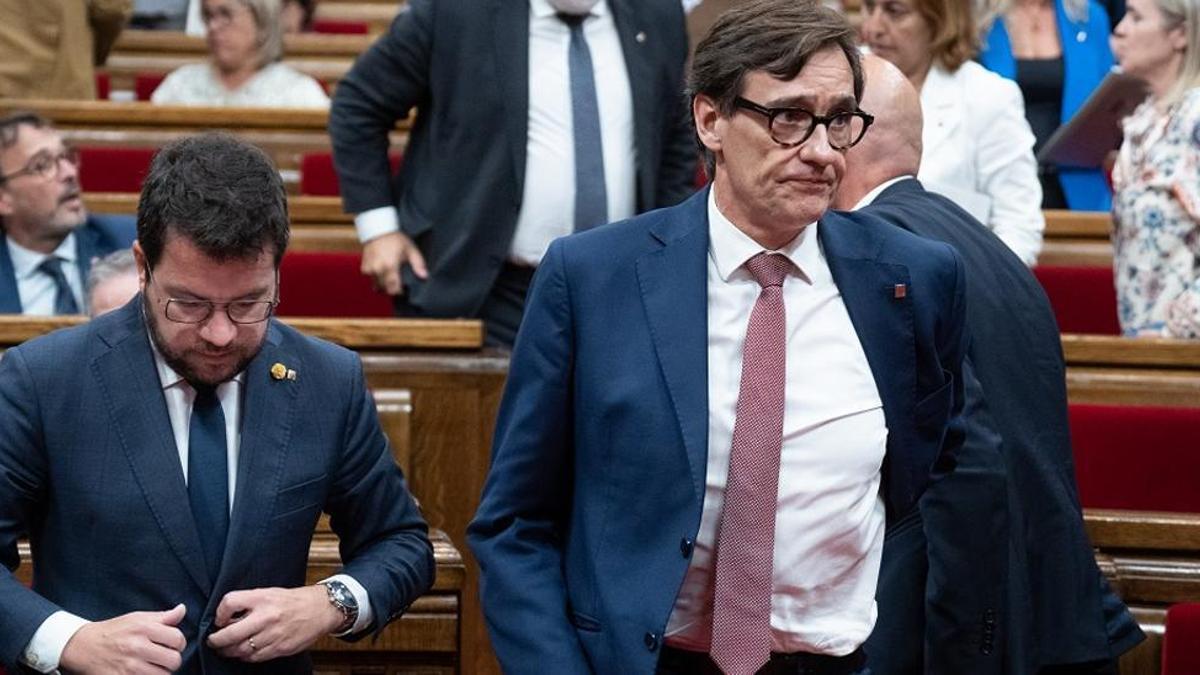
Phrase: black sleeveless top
(1041, 83)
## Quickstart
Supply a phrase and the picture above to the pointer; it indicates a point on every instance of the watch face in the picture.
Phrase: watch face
(342, 595)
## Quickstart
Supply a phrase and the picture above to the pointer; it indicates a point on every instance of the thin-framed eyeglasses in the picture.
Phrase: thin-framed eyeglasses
(45, 164)
(790, 127)
(238, 311)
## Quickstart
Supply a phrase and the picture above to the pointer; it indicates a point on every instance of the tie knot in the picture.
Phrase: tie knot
(769, 269)
(206, 395)
(52, 265)
(572, 20)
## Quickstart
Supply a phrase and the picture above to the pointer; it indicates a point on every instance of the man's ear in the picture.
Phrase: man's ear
(6, 202)
(710, 124)
(139, 261)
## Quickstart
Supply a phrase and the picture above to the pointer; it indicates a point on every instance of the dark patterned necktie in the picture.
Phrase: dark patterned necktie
(208, 476)
(64, 299)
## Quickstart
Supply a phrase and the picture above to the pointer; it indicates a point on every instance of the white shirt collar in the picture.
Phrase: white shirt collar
(870, 196)
(25, 261)
(731, 248)
(542, 9)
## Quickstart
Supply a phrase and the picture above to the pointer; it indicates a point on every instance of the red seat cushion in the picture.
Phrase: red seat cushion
(1137, 457)
(1181, 640)
(144, 84)
(103, 89)
(328, 284)
(1084, 298)
(113, 169)
(340, 27)
(318, 178)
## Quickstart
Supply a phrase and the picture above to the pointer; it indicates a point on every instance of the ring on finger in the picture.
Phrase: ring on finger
(253, 647)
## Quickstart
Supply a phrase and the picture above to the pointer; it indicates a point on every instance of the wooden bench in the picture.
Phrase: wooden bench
(377, 14)
(1077, 238)
(284, 134)
(308, 46)
(1127, 371)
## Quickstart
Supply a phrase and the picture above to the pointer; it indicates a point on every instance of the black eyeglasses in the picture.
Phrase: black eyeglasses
(790, 127)
(45, 164)
(199, 311)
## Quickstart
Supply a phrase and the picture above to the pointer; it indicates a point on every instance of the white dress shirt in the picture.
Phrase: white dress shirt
(45, 648)
(548, 200)
(830, 517)
(37, 289)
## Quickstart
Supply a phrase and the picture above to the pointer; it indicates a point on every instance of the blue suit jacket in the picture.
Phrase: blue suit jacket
(1087, 58)
(1060, 609)
(89, 469)
(97, 237)
(595, 492)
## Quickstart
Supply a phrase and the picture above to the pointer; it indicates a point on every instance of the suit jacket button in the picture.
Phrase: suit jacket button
(685, 547)
(651, 640)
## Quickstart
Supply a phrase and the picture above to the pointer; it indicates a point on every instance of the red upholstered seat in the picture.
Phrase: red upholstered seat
(1181, 640)
(340, 27)
(328, 284)
(1137, 457)
(144, 84)
(318, 178)
(1083, 298)
(113, 169)
(103, 89)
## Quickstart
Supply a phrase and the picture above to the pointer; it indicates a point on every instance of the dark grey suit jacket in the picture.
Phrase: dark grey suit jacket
(89, 470)
(464, 65)
(1059, 609)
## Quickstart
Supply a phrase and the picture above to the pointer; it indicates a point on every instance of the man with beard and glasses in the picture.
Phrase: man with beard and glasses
(535, 119)
(49, 238)
(169, 460)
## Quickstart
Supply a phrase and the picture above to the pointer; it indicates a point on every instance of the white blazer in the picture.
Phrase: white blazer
(979, 153)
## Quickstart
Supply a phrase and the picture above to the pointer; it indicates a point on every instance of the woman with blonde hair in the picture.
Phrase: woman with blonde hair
(1156, 209)
(1057, 52)
(978, 147)
(245, 45)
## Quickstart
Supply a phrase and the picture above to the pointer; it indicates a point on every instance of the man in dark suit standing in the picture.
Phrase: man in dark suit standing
(715, 410)
(1061, 617)
(169, 460)
(535, 118)
(49, 238)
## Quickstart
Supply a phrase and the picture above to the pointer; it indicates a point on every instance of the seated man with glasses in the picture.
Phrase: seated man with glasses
(715, 411)
(169, 460)
(49, 237)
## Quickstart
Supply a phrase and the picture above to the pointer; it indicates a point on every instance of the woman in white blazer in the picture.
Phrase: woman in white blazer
(978, 147)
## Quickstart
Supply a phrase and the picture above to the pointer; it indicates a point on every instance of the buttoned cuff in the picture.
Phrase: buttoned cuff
(46, 647)
(364, 604)
(376, 223)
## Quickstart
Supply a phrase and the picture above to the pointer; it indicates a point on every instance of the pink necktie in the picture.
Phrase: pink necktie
(741, 640)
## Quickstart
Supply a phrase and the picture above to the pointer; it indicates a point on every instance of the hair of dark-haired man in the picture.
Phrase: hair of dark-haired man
(775, 36)
(10, 126)
(223, 194)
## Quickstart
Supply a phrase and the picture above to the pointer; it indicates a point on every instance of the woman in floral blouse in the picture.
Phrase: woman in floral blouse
(1156, 209)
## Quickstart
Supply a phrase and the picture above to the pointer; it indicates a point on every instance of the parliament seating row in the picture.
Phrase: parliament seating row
(1181, 640)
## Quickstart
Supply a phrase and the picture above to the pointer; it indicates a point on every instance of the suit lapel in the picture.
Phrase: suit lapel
(138, 411)
(510, 21)
(884, 323)
(267, 410)
(10, 297)
(642, 85)
(674, 287)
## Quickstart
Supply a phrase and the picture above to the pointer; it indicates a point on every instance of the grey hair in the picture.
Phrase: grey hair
(1185, 13)
(110, 266)
(266, 15)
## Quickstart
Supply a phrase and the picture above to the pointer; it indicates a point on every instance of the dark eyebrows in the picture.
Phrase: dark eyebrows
(839, 104)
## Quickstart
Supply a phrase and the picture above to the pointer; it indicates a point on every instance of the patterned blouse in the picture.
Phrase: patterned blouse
(1156, 217)
(274, 86)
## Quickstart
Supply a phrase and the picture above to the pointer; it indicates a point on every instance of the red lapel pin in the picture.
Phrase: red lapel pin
(899, 291)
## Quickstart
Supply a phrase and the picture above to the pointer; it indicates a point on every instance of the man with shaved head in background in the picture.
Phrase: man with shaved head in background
(1062, 616)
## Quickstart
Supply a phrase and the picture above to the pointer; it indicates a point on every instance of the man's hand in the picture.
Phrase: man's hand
(383, 256)
(267, 623)
(138, 642)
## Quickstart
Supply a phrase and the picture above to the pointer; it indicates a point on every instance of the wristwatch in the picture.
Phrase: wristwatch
(343, 601)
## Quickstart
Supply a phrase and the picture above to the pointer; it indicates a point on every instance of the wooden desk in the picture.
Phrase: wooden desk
(1126, 371)
(1077, 238)
(305, 46)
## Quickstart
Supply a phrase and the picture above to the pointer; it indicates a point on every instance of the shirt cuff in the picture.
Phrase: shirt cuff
(46, 647)
(364, 604)
(376, 223)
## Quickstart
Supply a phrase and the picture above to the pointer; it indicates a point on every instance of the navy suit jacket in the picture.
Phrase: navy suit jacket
(98, 236)
(597, 481)
(464, 65)
(1060, 609)
(89, 469)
